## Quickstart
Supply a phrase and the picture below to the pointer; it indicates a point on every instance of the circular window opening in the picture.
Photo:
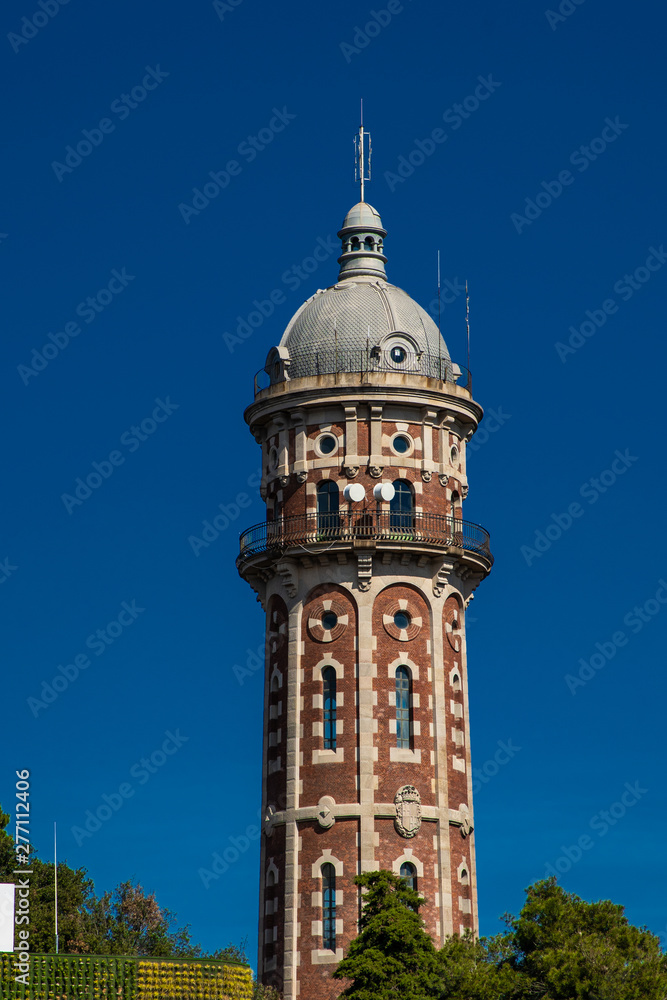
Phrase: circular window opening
(401, 619)
(401, 444)
(398, 355)
(329, 620)
(273, 459)
(454, 455)
(328, 444)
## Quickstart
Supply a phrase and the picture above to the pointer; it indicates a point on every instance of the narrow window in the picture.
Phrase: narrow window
(403, 706)
(329, 683)
(409, 875)
(401, 507)
(329, 907)
(328, 519)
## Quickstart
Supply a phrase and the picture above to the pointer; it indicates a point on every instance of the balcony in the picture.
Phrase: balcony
(368, 530)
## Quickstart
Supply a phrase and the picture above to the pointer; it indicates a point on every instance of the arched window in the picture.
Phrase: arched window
(403, 707)
(328, 519)
(401, 507)
(329, 684)
(409, 875)
(329, 907)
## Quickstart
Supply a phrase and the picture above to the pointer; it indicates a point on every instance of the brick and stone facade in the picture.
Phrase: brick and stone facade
(365, 590)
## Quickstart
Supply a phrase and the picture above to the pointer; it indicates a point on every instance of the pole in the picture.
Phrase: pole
(439, 325)
(55, 877)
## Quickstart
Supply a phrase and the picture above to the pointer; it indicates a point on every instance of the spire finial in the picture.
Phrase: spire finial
(362, 161)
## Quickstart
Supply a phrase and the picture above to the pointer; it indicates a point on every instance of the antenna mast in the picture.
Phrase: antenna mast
(362, 154)
(468, 326)
(439, 326)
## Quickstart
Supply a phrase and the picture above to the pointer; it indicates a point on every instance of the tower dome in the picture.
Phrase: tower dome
(362, 319)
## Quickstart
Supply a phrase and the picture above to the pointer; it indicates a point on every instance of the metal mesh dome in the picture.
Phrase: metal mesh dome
(362, 315)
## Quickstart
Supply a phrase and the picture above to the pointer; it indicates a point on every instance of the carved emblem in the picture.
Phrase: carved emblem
(408, 811)
(375, 471)
(351, 471)
(466, 827)
(325, 816)
(301, 477)
(269, 820)
(464, 491)
(283, 480)
(444, 478)
(426, 475)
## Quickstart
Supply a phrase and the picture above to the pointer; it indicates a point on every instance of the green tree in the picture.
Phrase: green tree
(393, 956)
(564, 948)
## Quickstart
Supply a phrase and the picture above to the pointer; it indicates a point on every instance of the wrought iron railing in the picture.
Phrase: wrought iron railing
(333, 362)
(380, 526)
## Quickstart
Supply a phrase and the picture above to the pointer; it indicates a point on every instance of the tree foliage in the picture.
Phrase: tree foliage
(393, 956)
(559, 947)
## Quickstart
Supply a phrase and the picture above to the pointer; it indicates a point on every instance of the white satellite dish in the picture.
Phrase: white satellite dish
(354, 492)
(384, 491)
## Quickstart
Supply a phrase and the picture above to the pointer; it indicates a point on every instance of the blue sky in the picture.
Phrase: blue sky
(547, 195)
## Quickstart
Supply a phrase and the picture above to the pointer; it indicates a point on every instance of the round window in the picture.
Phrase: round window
(454, 453)
(329, 620)
(402, 619)
(327, 444)
(401, 444)
(273, 459)
(398, 354)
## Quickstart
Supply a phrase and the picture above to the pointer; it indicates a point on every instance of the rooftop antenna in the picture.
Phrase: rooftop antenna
(362, 151)
(439, 326)
(468, 327)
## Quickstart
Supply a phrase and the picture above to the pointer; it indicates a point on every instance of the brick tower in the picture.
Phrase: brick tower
(364, 567)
